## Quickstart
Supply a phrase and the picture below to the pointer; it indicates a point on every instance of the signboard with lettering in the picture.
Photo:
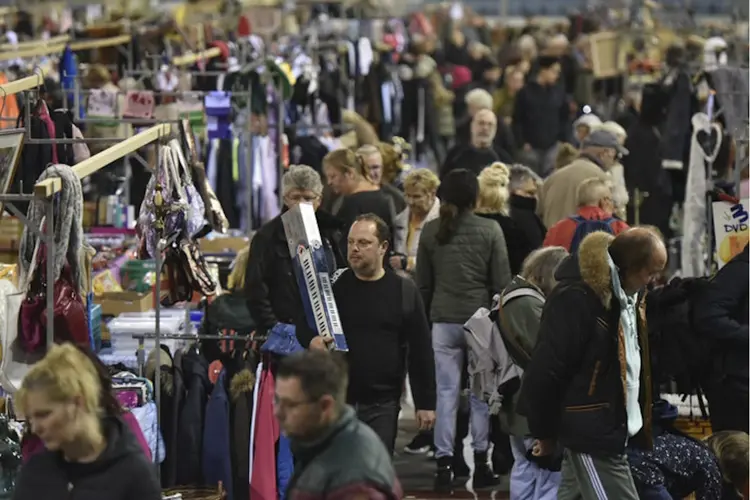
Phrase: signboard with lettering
(731, 222)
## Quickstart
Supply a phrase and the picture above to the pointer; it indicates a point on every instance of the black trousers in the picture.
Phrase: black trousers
(383, 419)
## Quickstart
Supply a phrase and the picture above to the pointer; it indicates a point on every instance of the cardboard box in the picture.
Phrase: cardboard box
(115, 303)
(223, 245)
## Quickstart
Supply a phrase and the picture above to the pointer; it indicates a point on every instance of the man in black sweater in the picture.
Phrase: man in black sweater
(386, 328)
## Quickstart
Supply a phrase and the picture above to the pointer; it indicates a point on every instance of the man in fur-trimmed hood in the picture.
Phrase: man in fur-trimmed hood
(588, 386)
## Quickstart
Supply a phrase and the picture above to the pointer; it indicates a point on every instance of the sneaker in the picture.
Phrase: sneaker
(444, 476)
(421, 444)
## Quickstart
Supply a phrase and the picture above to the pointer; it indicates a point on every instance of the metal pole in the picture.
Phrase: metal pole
(51, 278)
(279, 138)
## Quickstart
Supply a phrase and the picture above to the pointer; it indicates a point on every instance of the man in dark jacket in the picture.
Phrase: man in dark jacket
(541, 117)
(337, 457)
(270, 285)
(479, 153)
(722, 317)
(588, 385)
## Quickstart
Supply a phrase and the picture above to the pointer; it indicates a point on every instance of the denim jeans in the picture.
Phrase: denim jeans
(528, 481)
(449, 346)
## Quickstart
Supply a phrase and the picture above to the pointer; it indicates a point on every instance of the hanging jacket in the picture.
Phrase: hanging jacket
(34, 159)
(263, 482)
(676, 138)
(190, 433)
(171, 404)
(217, 461)
(284, 466)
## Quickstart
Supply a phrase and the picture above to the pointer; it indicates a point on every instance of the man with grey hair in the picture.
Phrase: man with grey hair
(523, 186)
(479, 153)
(272, 292)
(595, 213)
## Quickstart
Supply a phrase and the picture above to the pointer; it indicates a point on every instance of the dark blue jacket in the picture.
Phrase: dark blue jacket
(217, 461)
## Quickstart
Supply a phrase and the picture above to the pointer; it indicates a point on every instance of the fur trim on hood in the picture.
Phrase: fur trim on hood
(594, 266)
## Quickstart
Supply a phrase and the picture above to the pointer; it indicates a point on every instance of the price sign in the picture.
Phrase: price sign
(102, 103)
(139, 104)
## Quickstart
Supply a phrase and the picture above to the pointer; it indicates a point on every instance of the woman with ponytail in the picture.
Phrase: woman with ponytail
(91, 453)
(462, 262)
(348, 176)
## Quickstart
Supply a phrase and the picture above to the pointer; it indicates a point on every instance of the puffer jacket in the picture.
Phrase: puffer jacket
(348, 461)
(459, 277)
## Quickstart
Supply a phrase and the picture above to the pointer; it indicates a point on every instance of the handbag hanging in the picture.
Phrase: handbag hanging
(70, 320)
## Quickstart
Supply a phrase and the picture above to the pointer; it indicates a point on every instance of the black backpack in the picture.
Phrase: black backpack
(679, 354)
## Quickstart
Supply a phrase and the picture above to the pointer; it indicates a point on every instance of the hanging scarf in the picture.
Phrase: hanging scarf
(68, 225)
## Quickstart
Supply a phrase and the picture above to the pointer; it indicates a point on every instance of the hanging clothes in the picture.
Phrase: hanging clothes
(263, 484)
(8, 107)
(217, 461)
(190, 433)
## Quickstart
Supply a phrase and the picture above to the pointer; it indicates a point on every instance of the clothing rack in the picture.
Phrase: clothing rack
(141, 337)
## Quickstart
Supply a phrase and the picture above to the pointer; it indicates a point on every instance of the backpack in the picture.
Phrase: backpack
(584, 227)
(679, 354)
(495, 357)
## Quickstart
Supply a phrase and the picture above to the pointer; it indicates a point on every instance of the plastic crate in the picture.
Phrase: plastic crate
(133, 271)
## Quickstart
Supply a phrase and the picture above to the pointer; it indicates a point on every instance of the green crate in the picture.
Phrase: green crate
(134, 271)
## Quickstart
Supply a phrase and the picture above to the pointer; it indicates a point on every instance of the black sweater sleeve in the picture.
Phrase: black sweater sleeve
(562, 337)
(421, 363)
(256, 282)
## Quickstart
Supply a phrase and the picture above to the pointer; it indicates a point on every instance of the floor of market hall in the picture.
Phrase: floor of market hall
(416, 471)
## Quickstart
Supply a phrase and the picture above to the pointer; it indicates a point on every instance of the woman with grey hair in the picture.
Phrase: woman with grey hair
(521, 311)
(523, 185)
(273, 296)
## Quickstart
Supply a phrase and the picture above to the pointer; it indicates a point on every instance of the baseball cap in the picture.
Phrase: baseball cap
(604, 139)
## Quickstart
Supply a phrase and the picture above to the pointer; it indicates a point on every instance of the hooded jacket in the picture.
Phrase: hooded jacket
(121, 472)
(574, 389)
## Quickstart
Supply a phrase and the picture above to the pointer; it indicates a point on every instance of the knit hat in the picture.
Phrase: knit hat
(459, 188)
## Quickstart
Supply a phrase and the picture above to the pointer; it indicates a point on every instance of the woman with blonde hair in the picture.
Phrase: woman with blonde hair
(347, 175)
(90, 453)
(422, 206)
(493, 203)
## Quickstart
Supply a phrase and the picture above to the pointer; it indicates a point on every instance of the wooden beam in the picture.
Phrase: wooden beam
(28, 83)
(188, 59)
(48, 187)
